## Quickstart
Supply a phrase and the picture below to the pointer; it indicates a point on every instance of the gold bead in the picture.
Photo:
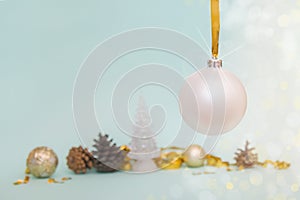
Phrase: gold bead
(194, 156)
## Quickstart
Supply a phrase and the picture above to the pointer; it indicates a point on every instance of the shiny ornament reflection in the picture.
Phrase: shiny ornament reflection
(194, 156)
(42, 162)
(213, 100)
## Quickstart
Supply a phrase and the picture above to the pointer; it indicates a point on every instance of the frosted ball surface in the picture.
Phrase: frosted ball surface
(212, 101)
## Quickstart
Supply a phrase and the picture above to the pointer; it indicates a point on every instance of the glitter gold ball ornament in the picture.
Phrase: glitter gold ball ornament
(42, 162)
(194, 156)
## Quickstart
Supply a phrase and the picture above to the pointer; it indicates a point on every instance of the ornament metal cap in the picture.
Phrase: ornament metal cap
(215, 62)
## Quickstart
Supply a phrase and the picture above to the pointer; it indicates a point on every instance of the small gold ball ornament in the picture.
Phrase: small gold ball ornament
(42, 162)
(194, 156)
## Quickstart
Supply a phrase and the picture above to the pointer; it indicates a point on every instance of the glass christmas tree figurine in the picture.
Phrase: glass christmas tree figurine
(143, 146)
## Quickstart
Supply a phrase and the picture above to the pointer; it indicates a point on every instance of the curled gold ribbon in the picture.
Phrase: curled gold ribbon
(174, 160)
(170, 160)
(276, 164)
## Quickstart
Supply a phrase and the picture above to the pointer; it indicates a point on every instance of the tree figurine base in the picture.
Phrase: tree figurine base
(147, 165)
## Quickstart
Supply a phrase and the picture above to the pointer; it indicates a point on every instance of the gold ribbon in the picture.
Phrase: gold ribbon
(170, 160)
(276, 164)
(215, 26)
(174, 160)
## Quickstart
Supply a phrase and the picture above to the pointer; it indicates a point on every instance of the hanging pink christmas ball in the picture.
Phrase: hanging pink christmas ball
(212, 100)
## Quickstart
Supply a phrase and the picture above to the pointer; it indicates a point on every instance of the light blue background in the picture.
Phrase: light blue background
(43, 44)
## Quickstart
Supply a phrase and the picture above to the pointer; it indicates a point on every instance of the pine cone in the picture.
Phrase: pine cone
(108, 157)
(79, 160)
(246, 158)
